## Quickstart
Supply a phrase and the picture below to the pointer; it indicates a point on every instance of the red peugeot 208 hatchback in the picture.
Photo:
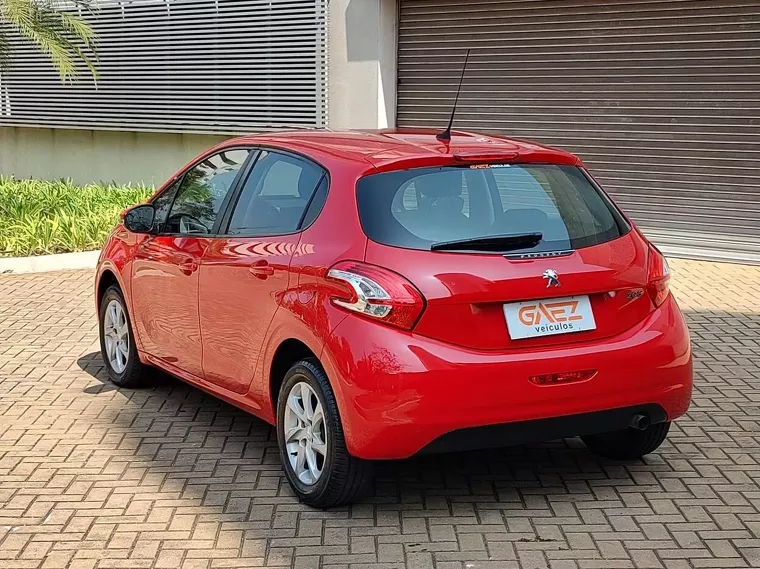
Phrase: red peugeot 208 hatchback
(378, 295)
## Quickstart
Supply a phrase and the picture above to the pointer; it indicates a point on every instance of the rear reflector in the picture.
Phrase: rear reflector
(658, 278)
(564, 377)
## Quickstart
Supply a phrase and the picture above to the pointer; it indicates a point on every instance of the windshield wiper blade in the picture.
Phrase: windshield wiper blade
(496, 243)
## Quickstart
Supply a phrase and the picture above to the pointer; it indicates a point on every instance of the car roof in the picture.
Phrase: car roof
(392, 149)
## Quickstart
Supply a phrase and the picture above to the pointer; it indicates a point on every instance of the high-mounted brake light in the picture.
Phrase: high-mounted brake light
(492, 157)
(658, 276)
(377, 293)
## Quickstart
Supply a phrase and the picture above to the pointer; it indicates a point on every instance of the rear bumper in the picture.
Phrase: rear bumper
(537, 430)
(399, 393)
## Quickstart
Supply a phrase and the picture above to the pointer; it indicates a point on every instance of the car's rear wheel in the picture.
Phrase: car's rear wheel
(117, 344)
(628, 444)
(317, 463)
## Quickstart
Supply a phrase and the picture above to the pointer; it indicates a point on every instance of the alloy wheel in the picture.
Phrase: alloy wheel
(116, 336)
(305, 433)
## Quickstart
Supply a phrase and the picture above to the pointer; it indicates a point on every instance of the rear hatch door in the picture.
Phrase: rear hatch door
(564, 265)
(468, 295)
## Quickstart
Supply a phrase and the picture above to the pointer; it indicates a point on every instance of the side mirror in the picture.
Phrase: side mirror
(139, 219)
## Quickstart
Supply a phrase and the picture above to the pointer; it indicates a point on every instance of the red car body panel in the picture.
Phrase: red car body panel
(232, 324)
(465, 293)
(165, 299)
(216, 310)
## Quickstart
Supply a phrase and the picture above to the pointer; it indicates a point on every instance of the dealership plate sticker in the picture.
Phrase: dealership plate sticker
(550, 316)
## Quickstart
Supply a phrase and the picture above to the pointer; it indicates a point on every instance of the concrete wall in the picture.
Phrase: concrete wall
(94, 156)
(362, 36)
(362, 41)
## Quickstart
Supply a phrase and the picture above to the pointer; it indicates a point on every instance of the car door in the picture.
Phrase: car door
(165, 267)
(245, 272)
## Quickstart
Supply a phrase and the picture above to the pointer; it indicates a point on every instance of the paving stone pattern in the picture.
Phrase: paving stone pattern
(93, 476)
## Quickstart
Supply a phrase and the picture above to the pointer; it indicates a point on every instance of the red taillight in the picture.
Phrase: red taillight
(658, 276)
(377, 293)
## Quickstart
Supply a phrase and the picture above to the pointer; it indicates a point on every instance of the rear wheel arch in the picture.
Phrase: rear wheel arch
(340, 477)
(285, 356)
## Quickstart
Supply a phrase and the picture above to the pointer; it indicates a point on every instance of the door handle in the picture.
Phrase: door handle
(188, 266)
(261, 269)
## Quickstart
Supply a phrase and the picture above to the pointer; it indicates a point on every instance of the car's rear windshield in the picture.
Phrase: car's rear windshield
(422, 207)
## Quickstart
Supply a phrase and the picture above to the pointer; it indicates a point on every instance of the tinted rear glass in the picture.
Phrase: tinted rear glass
(416, 208)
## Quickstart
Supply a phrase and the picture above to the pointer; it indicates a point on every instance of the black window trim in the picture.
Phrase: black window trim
(234, 196)
(175, 183)
(624, 224)
(314, 192)
(253, 153)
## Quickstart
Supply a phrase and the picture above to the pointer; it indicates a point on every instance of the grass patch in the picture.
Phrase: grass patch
(39, 218)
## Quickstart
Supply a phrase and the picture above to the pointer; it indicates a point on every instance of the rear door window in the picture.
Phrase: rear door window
(421, 207)
(282, 194)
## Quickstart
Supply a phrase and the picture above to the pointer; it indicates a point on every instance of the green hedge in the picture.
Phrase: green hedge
(38, 218)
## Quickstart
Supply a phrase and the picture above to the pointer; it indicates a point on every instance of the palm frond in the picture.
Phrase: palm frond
(62, 35)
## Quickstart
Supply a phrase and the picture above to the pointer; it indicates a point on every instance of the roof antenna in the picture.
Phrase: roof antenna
(446, 134)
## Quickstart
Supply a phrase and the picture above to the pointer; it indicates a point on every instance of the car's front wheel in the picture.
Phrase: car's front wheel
(117, 344)
(317, 463)
(628, 444)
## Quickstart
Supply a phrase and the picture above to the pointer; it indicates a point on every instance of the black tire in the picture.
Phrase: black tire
(628, 444)
(135, 373)
(344, 477)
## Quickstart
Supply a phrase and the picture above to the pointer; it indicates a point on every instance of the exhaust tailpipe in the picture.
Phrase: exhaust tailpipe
(640, 422)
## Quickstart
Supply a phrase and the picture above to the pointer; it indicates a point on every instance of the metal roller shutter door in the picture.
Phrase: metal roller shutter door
(661, 99)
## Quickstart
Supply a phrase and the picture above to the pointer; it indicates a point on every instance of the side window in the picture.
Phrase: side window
(162, 202)
(202, 193)
(282, 179)
(276, 195)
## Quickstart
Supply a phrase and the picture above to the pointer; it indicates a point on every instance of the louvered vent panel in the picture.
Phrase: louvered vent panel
(225, 66)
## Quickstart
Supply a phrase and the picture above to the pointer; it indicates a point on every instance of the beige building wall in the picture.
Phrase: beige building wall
(362, 41)
(97, 156)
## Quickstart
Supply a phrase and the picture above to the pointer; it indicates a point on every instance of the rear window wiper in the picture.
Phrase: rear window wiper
(495, 243)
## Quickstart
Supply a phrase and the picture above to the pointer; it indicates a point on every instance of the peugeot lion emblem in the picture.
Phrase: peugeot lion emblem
(552, 278)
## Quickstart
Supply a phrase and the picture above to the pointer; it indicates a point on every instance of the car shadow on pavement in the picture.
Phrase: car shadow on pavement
(528, 475)
(180, 428)
(93, 364)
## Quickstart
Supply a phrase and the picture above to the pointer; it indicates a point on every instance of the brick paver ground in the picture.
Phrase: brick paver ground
(92, 476)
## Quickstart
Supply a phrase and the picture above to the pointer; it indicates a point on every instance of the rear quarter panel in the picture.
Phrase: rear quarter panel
(306, 312)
